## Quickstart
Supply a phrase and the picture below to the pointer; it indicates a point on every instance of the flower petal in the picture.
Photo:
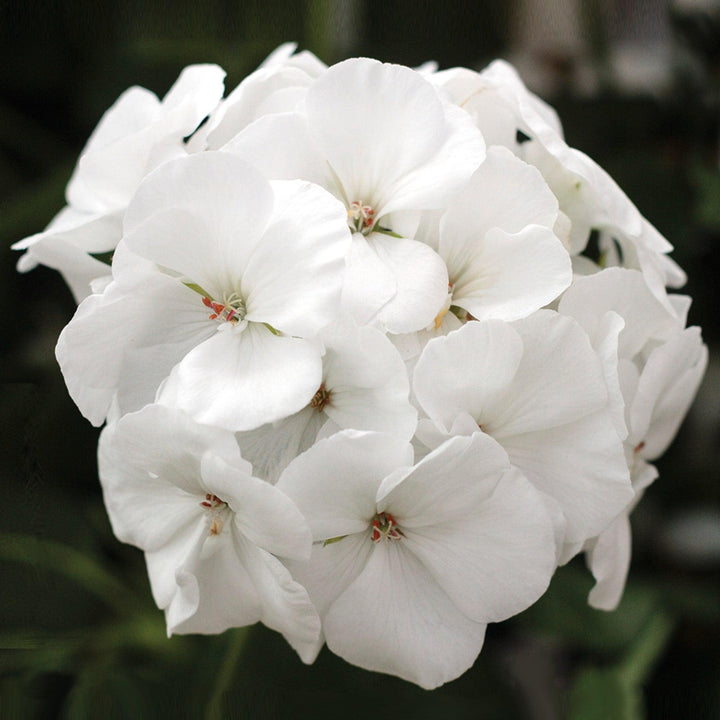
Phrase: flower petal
(149, 464)
(212, 210)
(263, 514)
(294, 277)
(498, 558)
(241, 380)
(335, 482)
(395, 618)
(464, 371)
(421, 278)
(446, 484)
(285, 604)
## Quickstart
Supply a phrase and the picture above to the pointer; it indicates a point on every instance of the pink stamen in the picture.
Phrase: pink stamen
(385, 526)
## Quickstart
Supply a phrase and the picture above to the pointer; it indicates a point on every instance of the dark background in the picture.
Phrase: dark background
(637, 85)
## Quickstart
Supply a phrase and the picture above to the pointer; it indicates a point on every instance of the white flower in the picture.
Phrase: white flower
(657, 368)
(380, 139)
(278, 85)
(510, 115)
(496, 238)
(410, 563)
(538, 388)
(364, 387)
(134, 136)
(233, 279)
(210, 530)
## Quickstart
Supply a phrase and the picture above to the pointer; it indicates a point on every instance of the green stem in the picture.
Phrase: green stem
(214, 707)
(638, 662)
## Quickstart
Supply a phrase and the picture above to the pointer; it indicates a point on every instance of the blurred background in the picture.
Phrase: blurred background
(637, 86)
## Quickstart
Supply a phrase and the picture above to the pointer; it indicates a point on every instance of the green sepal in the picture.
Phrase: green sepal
(330, 541)
(196, 288)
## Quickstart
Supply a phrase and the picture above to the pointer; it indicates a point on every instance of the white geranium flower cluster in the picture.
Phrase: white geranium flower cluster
(360, 382)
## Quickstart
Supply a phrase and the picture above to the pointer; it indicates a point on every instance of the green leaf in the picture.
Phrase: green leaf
(563, 612)
(51, 555)
(600, 694)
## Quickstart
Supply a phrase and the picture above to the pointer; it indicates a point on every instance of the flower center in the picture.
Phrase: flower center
(361, 218)
(216, 508)
(231, 309)
(385, 526)
(320, 399)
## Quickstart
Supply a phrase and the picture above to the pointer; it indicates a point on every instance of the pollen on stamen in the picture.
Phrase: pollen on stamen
(232, 310)
(320, 399)
(212, 501)
(216, 506)
(361, 217)
(385, 526)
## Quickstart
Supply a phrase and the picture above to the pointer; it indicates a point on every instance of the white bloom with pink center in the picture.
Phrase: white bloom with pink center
(210, 530)
(410, 563)
(496, 238)
(364, 387)
(222, 283)
(380, 139)
(538, 388)
(134, 136)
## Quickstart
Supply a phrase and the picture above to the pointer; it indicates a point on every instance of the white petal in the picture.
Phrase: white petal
(225, 591)
(421, 279)
(122, 140)
(626, 293)
(507, 276)
(666, 389)
(367, 382)
(149, 466)
(335, 482)
(162, 565)
(272, 447)
(284, 604)
(370, 282)
(97, 346)
(331, 568)
(446, 484)
(77, 267)
(193, 95)
(609, 561)
(281, 147)
(294, 277)
(559, 379)
(498, 558)
(391, 122)
(504, 192)
(225, 204)
(465, 370)
(263, 514)
(394, 618)
(241, 380)
(581, 465)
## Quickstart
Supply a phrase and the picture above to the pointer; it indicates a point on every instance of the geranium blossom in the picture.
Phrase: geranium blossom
(137, 134)
(363, 381)
(210, 530)
(410, 563)
(238, 279)
(537, 387)
(364, 387)
(388, 148)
